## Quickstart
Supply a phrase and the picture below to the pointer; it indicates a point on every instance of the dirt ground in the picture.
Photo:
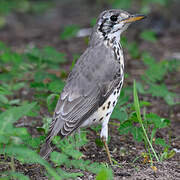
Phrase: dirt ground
(44, 30)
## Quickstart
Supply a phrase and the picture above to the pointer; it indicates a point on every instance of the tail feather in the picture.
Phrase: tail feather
(46, 149)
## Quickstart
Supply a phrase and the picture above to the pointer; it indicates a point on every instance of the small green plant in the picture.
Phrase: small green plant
(46, 56)
(16, 142)
(132, 47)
(148, 35)
(154, 76)
(69, 32)
(105, 174)
(138, 114)
(70, 157)
(143, 127)
(93, 21)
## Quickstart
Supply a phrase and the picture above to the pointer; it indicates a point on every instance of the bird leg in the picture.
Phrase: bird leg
(107, 150)
(104, 137)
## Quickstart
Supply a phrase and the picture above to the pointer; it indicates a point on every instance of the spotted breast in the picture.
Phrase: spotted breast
(102, 115)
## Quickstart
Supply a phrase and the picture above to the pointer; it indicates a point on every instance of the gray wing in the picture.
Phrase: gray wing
(88, 86)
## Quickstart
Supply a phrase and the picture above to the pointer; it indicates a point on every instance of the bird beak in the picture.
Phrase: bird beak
(134, 18)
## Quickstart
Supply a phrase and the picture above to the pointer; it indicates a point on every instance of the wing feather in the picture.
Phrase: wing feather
(88, 86)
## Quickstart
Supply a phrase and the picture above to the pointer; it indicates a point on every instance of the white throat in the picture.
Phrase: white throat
(114, 37)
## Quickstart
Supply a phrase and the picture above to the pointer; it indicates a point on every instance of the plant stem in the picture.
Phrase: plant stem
(114, 124)
(137, 108)
(150, 156)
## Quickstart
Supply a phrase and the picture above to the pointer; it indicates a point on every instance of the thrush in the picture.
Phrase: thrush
(93, 87)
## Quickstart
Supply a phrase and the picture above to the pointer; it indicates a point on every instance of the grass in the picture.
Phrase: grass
(138, 113)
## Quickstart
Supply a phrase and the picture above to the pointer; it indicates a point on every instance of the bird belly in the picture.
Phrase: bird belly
(104, 112)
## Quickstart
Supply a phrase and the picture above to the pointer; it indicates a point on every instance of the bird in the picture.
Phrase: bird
(94, 84)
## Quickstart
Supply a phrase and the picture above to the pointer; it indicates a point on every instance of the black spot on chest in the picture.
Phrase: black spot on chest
(118, 51)
(114, 103)
(109, 103)
(101, 119)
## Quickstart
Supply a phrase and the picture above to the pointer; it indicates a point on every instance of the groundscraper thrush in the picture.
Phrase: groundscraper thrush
(93, 87)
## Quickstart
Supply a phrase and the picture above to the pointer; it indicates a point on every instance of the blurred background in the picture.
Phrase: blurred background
(41, 22)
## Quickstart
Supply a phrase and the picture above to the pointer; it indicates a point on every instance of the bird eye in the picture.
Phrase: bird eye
(113, 18)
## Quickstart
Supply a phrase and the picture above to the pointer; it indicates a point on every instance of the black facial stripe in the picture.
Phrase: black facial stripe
(105, 27)
(101, 27)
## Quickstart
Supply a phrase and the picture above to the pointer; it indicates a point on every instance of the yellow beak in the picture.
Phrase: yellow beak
(134, 18)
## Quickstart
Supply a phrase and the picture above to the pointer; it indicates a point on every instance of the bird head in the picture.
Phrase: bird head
(111, 23)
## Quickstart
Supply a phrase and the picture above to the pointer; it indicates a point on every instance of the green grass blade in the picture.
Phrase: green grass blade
(137, 108)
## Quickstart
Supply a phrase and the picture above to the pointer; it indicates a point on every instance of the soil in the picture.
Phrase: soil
(44, 29)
